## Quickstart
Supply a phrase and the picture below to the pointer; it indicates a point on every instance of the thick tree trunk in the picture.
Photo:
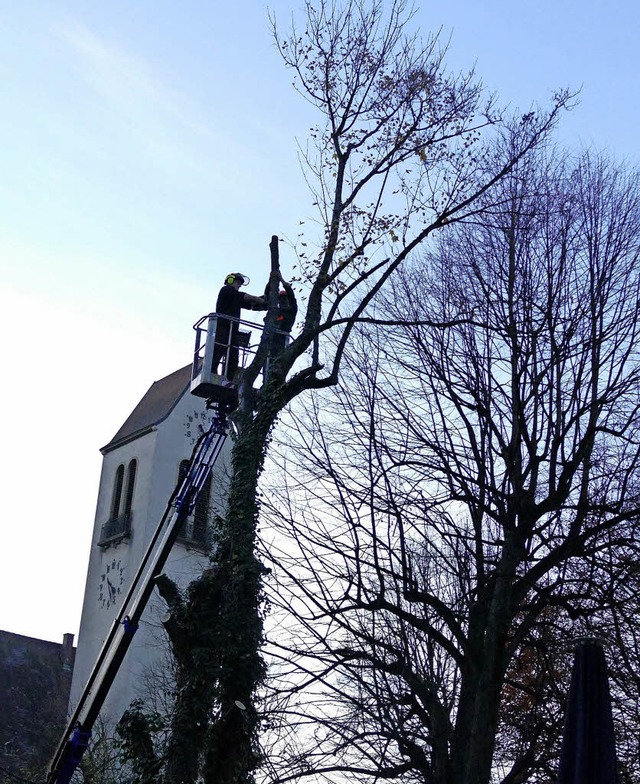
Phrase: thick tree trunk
(192, 630)
(218, 639)
(482, 678)
(231, 754)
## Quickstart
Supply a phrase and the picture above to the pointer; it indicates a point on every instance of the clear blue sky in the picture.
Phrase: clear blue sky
(147, 148)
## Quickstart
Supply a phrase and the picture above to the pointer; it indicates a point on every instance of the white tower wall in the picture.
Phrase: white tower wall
(158, 449)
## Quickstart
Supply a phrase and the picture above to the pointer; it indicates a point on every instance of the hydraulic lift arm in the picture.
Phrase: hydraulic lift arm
(78, 731)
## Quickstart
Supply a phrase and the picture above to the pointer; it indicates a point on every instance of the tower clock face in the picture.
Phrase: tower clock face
(195, 424)
(111, 588)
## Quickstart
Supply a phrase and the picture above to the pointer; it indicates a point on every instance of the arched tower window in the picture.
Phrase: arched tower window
(194, 530)
(118, 525)
(116, 498)
(201, 513)
(182, 471)
(131, 480)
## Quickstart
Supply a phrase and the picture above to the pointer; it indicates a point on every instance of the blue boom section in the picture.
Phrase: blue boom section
(78, 732)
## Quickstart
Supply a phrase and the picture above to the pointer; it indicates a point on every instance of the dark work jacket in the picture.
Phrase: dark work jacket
(230, 301)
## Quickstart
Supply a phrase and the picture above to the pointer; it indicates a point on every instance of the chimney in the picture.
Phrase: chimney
(67, 652)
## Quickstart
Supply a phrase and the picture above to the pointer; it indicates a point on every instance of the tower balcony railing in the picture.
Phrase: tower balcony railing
(115, 529)
(196, 535)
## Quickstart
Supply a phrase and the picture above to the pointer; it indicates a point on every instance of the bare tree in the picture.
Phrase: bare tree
(402, 149)
(469, 497)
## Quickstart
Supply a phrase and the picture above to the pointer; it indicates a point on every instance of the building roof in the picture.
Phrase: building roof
(35, 680)
(156, 405)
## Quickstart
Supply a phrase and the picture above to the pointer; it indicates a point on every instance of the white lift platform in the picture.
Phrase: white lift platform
(204, 382)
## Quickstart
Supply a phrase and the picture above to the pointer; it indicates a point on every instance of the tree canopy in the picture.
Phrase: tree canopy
(403, 150)
(466, 502)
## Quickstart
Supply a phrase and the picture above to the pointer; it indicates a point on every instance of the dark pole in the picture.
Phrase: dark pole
(588, 754)
(275, 254)
(275, 268)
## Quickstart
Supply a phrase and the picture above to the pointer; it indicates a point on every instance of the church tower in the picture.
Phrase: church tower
(142, 464)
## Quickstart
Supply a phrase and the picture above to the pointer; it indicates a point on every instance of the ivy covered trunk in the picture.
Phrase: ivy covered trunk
(193, 631)
(216, 632)
(230, 748)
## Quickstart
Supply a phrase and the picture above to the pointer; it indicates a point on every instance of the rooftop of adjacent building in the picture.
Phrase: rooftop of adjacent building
(35, 680)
